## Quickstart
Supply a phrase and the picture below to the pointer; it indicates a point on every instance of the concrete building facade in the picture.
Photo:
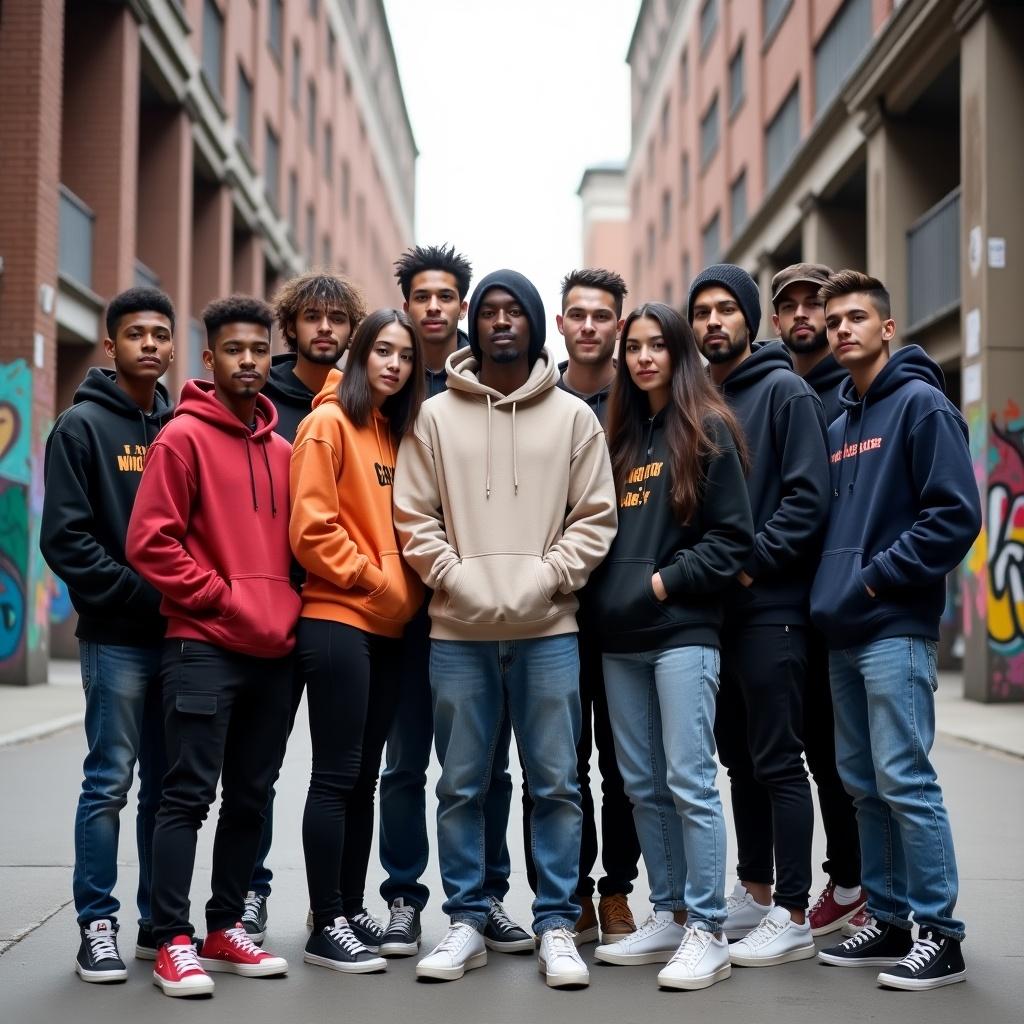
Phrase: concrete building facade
(203, 146)
(875, 134)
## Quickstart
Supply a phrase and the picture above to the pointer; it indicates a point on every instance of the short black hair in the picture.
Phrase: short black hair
(596, 277)
(850, 282)
(138, 300)
(433, 257)
(235, 309)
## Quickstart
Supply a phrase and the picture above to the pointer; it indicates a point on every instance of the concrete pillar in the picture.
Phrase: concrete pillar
(31, 49)
(767, 268)
(247, 264)
(991, 85)
(211, 243)
(830, 234)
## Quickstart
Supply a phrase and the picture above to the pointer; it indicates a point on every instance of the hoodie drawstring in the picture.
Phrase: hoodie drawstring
(380, 450)
(856, 450)
(270, 477)
(252, 478)
(252, 475)
(487, 482)
(515, 453)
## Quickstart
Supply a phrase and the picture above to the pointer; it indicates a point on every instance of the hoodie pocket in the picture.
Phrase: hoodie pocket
(393, 599)
(498, 588)
(260, 616)
(625, 597)
(839, 599)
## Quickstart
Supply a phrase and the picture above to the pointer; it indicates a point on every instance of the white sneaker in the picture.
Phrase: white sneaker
(462, 949)
(559, 960)
(778, 939)
(743, 913)
(653, 942)
(699, 962)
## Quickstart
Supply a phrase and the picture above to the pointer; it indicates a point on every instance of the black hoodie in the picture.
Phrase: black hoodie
(92, 467)
(291, 398)
(697, 560)
(905, 506)
(826, 377)
(598, 401)
(784, 425)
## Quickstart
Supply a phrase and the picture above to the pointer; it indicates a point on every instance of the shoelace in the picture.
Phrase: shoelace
(102, 945)
(239, 938)
(734, 903)
(866, 934)
(455, 938)
(921, 954)
(825, 893)
(345, 937)
(767, 930)
(649, 927)
(253, 905)
(616, 911)
(185, 958)
(366, 920)
(691, 949)
(401, 918)
(500, 917)
(560, 943)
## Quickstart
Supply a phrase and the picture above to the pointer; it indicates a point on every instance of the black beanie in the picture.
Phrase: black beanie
(525, 294)
(733, 279)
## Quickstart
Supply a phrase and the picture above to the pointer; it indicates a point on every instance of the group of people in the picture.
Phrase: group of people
(456, 540)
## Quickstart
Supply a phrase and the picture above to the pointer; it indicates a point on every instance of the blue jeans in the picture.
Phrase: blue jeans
(472, 684)
(404, 846)
(662, 709)
(883, 695)
(123, 723)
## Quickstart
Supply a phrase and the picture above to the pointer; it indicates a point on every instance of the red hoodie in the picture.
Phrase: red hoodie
(209, 528)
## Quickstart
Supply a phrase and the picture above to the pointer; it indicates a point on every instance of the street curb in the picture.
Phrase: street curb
(987, 746)
(41, 729)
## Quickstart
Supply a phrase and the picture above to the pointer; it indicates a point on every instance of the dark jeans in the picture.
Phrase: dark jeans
(222, 713)
(838, 815)
(758, 726)
(351, 686)
(620, 847)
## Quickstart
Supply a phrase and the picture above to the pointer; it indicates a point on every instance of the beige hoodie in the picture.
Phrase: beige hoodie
(504, 505)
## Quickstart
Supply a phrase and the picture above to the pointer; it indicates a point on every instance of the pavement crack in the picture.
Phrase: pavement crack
(25, 932)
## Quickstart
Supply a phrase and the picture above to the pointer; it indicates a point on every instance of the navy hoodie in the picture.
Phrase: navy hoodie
(92, 466)
(697, 560)
(598, 401)
(826, 377)
(905, 506)
(784, 425)
(291, 398)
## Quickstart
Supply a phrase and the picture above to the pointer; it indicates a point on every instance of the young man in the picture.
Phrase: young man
(505, 503)
(210, 531)
(764, 653)
(799, 318)
(590, 322)
(316, 314)
(434, 282)
(905, 511)
(93, 463)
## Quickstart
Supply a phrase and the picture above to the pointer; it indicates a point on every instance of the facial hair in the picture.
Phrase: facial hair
(815, 344)
(325, 358)
(733, 348)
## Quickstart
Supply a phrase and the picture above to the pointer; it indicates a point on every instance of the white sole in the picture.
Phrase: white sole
(100, 977)
(258, 937)
(609, 938)
(268, 969)
(574, 979)
(914, 985)
(839, 922)
(399, 949)
(519, 946)
(452, 973)
(695, 984)
(366, 967)
(145, 953)
(874, 961)
(184, 989)
(790, 956)
(657, 956)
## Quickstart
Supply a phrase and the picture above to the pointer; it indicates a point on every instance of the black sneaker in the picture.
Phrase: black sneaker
(254, 916)
(502, 933)
(367, 929)
(402, 935)
(877, 944)
(98, 958)
(337, 947)
(934, 961)
(145, 944)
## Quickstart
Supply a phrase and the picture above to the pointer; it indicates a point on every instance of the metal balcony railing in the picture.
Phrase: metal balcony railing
(933, 262)
(74, 257)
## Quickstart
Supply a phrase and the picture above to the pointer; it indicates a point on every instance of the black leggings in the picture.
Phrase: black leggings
(351, 685)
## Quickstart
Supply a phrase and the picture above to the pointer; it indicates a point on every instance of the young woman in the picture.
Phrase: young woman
(358, 596)
(684, 532)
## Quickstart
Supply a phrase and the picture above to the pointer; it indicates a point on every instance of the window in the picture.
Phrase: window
(709, 134)
(738, 203)
(684, 74)
(332, 49)
(666, 292)
(311, 115)
(213, 46)
(310, 235)
(839, 50)
(275, 22)
(361, 217)
(637, 271)
(684, 177)
(686, 275)
(651, 248)
(328, 152)
(666, 111)
(327, 258)
(774, 12)
(346, 183)
(708, 22)
(314, 9)
(736, 81)
(711, 241)
(293, 204)
(296, 75)
(243, 110)
(666, 213)
(650, 159)
(782, 137)
(272, 167)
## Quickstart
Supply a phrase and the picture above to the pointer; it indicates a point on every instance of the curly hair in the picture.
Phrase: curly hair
(316, 289)
(433, 257)
(235, 309)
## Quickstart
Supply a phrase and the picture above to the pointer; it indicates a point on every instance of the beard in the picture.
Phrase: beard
(813, 344)
(728, 352)
(327, 357)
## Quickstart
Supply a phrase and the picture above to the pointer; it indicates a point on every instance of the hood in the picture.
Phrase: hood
(527, 296)
(198, 399)
(908, 363)
(283, 385)
(100, 386)
(329, 392)
(826, 375)
(765, 357)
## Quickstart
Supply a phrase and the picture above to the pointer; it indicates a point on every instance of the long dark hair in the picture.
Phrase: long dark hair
(354, 390)
(693, 407)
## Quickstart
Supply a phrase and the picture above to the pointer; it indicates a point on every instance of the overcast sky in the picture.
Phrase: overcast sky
(510, 102)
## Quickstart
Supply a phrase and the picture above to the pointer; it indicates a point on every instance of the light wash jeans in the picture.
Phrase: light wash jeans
(472, 684)
(883, 695)
(123, 724)
(662, 709)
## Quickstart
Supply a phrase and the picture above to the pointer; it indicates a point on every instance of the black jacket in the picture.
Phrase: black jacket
(697, 560)
(291, 398)
(92, 467)
(826, 378)
(784, 424)
(598, 401)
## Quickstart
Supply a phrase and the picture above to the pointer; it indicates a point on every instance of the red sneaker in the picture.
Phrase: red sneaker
(828, 916)
(232, 951)
(859, 920)
(178, 971)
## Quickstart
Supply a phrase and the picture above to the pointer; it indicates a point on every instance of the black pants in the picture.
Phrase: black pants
(758, 729)
(620, 847)
(225, 717)
(351, 685)
(838, 815)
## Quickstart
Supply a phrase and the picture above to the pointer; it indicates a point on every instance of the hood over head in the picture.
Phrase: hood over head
(528, 297)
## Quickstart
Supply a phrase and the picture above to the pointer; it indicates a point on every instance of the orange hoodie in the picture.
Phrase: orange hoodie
(342, 529)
